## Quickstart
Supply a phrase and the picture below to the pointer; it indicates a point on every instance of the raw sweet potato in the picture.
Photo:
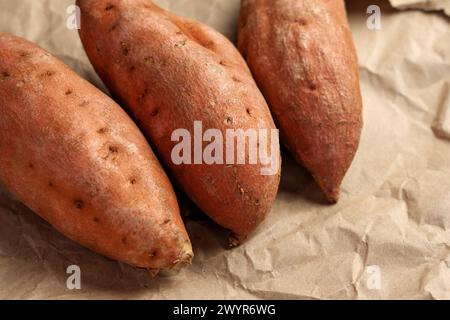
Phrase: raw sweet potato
(302, 55)
(74, 156)
(170, 72)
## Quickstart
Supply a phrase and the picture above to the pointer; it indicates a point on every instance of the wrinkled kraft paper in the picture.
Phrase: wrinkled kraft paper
(389, 237)
(423, 4)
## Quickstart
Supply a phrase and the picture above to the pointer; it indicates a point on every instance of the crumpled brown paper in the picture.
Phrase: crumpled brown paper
(430, 5)
(389, 237)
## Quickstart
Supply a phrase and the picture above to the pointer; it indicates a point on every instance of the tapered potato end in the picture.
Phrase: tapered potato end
(186, 257)
(332, 194)
(236, 240)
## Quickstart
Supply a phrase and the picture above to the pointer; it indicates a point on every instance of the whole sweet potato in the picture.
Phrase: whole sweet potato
(302, 55)
(74, 156)
(170, 72)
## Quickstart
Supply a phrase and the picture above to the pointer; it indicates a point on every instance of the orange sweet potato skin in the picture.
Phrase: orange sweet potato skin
(302, 55)
(73, 156)
(170, 72)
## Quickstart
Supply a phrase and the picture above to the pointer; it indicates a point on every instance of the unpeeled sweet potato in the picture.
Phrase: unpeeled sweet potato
(73, 156)
(170, 72)
(302, 55)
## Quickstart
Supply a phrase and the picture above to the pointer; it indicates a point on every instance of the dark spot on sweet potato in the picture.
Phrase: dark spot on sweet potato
(68, 92)
(166, 221)
(222, 63)
(79, 204)
(113, 27)
(102, 130)
(236, 79)
(154, 112)
(49, 73)
(149, 59)
(125, 48)
(248, 111)
(31, 166)
(312, 87)
(124, 240)
(301, 21)
(50, 184)
(143, 95)
(132, 68)
(5, 74)
(113, 149)
(242, 23)
(181, 43)
(208, 45)
(84, 103)
(24, 54)
(133, 180)
(96, 219)
(152, 254)
(109, 7)
(229, 120)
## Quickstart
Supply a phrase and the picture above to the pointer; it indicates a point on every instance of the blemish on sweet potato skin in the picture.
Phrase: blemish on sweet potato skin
(24, 54)
(125, 48)
(58, 170)
(229, 120)
(5, 74)
(102, 130)
(79, 204)
(114, 149)
(83, 103)
(113, 27)
(154, 112)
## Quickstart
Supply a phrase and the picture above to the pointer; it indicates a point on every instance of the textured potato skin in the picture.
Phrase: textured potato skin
(302, 55)
(73, 156)
(170, 72)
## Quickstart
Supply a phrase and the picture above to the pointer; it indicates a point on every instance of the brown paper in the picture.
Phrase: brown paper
(429, 5)
(389, 236)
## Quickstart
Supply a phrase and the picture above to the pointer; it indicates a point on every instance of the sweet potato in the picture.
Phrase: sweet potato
(170, 72)
(302, 55)
(73, 156)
